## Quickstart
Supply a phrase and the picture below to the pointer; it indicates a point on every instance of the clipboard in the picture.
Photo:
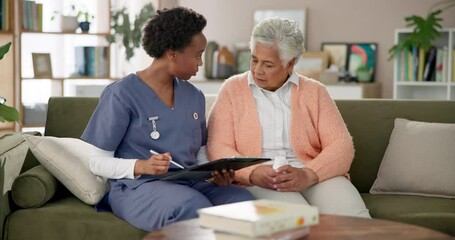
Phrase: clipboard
(203, 171)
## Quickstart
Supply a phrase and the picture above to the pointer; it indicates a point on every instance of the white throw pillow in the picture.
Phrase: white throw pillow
(68, 160)
(419, 160)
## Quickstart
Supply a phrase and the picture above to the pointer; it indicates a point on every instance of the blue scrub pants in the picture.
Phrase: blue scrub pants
(155, 204)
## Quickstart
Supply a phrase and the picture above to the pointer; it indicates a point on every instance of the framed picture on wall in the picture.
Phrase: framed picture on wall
(42, 67)
(242, 60)
(362, 60)
(338, 54)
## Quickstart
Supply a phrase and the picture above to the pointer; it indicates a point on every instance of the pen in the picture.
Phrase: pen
(176, 164)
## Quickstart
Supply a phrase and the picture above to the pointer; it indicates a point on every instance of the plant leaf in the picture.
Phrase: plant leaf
(425, 31)
(4, 49)
(129, 33)
(9, 114)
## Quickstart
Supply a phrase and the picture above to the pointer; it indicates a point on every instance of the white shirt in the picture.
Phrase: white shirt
(104, 164)
(274, 112)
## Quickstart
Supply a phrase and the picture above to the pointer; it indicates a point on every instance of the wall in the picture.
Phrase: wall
(231, 21)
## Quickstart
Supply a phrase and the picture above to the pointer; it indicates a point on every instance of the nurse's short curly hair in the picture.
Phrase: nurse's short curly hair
(171, 29)
(284, 34)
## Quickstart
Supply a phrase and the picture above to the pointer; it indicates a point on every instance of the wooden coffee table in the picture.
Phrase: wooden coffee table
(329, 227)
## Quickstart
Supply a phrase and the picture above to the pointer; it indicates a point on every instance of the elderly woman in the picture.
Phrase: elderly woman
(271, 111)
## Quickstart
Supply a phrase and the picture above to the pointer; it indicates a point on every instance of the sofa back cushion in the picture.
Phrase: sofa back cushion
(371, 121)
(68, 116)
(419, 160)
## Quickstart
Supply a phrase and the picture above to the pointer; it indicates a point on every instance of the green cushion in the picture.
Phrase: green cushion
(68, 219)
(431, 212)
(68, 116)
(33, 188)
(13, 149)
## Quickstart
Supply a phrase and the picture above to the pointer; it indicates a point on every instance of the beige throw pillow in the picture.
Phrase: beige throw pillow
(419, 160)
(68, 160)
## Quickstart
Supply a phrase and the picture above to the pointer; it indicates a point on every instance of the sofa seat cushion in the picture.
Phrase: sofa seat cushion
(431, 212)
(68, 218)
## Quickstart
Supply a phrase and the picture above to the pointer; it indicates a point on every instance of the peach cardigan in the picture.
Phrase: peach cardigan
(319, 136)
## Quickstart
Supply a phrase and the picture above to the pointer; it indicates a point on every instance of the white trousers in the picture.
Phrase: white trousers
(335, 196)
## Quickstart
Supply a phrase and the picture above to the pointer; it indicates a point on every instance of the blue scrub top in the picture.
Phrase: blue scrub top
(121, 123)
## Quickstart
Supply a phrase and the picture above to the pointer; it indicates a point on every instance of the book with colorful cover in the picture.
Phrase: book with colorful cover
(258, 217)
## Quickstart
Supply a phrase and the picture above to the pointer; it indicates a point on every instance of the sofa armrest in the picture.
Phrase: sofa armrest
(13, 150)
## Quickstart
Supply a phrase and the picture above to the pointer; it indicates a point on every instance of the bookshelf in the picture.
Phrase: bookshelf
(80, 63)
(407, 84)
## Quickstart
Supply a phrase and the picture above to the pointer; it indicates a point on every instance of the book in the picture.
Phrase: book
(2, 24)
(430, 65)
(79, 61)
(421, 65)
(410, 65)
(415, 63)
(453, 65)
(445, 64)
(439, 64)
(293, 234)
(258, 217)
(204, 171)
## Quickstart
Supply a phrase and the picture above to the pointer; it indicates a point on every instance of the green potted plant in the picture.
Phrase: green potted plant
(7, 114)
(129, 35)
(74, 18)
(424, 30)
(363, 73)
(84, 24)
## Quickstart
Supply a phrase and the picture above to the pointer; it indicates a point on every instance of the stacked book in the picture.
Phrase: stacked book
(416, 64)
(32, 16)
(91, 61)
(4, 15)
(259, 219)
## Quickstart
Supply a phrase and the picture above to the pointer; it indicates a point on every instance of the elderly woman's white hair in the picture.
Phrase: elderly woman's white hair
(281, 33)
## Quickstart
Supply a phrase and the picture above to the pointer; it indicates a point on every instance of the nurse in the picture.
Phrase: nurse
(157, 110)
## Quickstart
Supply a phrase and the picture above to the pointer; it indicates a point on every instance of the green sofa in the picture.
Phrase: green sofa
(65, 217)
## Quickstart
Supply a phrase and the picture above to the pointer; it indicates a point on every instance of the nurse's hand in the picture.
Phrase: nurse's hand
(262, 176)
(157, 164)
(222, 178)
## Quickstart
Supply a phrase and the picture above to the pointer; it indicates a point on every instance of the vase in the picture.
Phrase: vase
(363, 76)
(208, 59)
(69, 24)
(85, 26)
(225, 63)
